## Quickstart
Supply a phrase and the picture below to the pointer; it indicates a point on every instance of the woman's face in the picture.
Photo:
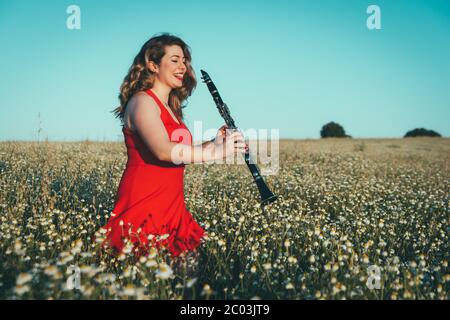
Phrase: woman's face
(172, 68)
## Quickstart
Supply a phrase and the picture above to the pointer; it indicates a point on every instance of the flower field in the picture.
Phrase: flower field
(355, 219)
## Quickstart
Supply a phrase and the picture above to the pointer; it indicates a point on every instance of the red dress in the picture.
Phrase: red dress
(150, 197)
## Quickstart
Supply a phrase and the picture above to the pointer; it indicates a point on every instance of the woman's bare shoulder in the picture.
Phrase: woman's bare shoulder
(142, 100)
(140, 103)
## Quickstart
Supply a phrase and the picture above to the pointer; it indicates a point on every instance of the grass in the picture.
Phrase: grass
(344, 205)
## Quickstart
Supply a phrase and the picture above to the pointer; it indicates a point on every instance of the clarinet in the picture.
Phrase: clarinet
(266, 195)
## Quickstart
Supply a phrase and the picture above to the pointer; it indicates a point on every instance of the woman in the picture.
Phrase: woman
(150, 197)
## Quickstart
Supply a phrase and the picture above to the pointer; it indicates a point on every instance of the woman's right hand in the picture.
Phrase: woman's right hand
(234, 143)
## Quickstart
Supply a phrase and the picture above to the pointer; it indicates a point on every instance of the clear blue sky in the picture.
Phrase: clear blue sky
(287, 65)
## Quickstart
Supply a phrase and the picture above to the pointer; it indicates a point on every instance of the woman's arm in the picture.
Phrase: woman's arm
(145, 117)
(207, 143)
(219, 138)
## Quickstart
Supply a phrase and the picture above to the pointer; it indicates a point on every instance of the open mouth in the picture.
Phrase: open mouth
(179, 76)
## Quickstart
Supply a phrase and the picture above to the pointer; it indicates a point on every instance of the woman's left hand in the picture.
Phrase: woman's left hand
(221, 133)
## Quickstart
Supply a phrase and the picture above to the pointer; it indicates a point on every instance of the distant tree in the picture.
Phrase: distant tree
(421, 132)
(333, 129)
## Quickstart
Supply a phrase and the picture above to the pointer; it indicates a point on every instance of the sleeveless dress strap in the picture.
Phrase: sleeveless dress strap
(161, 106)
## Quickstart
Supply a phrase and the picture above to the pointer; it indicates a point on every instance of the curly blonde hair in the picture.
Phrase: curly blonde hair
(140, 77)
